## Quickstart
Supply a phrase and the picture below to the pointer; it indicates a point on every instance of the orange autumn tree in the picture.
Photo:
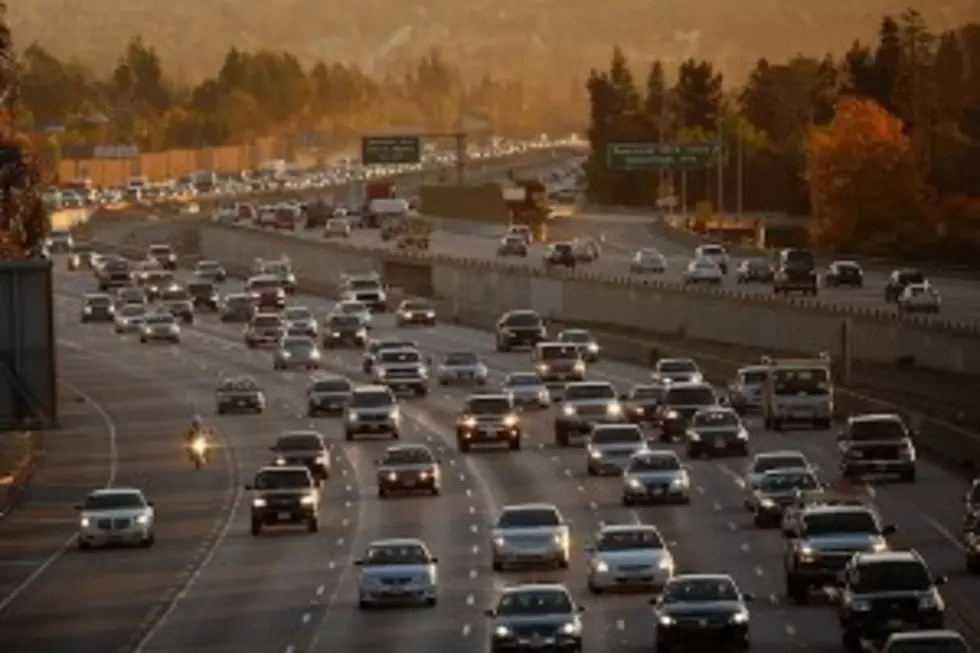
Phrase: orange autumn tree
(867, 191)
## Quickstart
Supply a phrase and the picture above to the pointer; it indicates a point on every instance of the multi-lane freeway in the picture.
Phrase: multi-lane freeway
(624, 234)
(208, 586)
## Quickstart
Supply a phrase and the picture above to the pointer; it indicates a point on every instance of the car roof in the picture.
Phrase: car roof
(407, 447)
(675, 360)
(584, 384)
(822, 509)
(536, 587)
(327, 376)
(286, 434)
(708, 577)
(780, 453)
(114, 491)
(208, 262)
(656, 453)
(753, 368)
(925, 635)
(373, 387)
(283, 468)
(522, 374)
(489, 395)
(97, 295)
(689, 385)
(869, 557)
(628, 528)
(874, 417)
(397, 541)
(529, 506)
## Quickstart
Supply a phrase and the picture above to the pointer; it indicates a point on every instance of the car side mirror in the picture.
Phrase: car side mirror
(358, 563)
(558, 399)
(653, 601)
(940, 580)
(150, 504)
(590, 549)
(428, 360)
(840, 436)
(377, 461)
(624, 397)
(788, 533)
(249, 487)
(580, 609)
(889, 530)
(748, 597)
(489, 613)
(434, 560)
(273, 449)
(78, 506)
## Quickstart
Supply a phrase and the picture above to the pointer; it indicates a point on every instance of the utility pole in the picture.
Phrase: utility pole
(721, 169)
(460, 137)
(739, 173)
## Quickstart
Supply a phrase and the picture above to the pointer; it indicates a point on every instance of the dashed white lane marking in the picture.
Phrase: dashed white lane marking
(944, 532)
(348, 504)
(470, 600)
(620, 624)
(790, 630)
(472, 510)
(306, 618)
(475, 550)
(473, 574)
(759, 571)
(320, 589)
(330, 565)
(731, 526)
(290, 649)
(340, 541)
(474, 528)
(113, 443)
(716, 507)
(344, 522)
(745, 547)
(467, 629)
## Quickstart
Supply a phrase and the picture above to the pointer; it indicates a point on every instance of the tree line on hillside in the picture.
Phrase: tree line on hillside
(880, 145)
(265, 93)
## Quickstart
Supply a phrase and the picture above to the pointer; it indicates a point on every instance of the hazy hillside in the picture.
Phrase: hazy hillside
(532, 37)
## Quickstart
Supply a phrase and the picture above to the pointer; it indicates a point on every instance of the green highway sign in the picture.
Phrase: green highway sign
(390, 149)
(625, 157)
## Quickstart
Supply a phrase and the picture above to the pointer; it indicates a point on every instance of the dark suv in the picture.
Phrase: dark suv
(795, 272)
(877, 444)
(284, 495)
(561, 255)
(305, 448)
(523, 328)
(887, 592)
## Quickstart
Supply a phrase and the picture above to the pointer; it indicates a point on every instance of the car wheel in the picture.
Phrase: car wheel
(256, 527)
(148, 541)
(515, 444)
(312, 525)
(83, 545)
(627, 501)
(349, 436)
(498, 566)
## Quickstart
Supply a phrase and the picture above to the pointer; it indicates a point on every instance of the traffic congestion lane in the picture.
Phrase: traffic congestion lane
(272, 579)
(543, 473)
(459, 507)
(99, 600)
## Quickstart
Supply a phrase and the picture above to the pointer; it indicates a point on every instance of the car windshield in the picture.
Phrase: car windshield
(160, 250)
(200, 287)
(856, 521)
(529, 518)
(375, 399)
(576, 391)
(160, 319)
(279, 269)
(691, 397)
(575, 336)
(260, 285)
(344, 321)
(655, 463)
(716, 418)
(417, 306)
(877, 429)
(768, 463)
(522, 320)
(487, 406)
(557, 352)
(358, 285)
(756, 264)
(98, 300)
(396, 554)
(158, 276)
(239, 385)
(298, 344)
(299, 442)
(378, 346)
(910, 277)
(617, 435)
(408, 456)
(266, 321)
(928, 645)
(114, 501)
(174, 295)
(675, 367)
(352, 308)
(208, 267)
(700, 590)
(532, 602)
(462, 358)
(890, 576)
(237, 301)
(282, 479)
(133, 310)
(296, 314)
(712, 250)
(562, 248)
(781, 482)
(648, 392)
(515, 380)
(641, 538)
(846, 267)
(752, 378)
(332, 385)
(399, 357)
(648, 254)
(802, 381)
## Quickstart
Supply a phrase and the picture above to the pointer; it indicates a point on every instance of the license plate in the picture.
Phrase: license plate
(881, 466)
(409, 483)
(719, 444)
(895, 623)
(283, 515)
(657, 491)
(398, 591)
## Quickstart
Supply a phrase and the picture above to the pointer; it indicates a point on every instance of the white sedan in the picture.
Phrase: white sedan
(919, 298)
(462, 368)
(353, 307)
(703, 270)
(115, 516)
(336, 228)
(648, 260)
(629, 556)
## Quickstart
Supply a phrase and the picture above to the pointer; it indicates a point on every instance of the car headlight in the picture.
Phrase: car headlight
(258, 502)
(931, 602)
(680, 481)
(280, 461)
(593, 348)
(740, 617)
(430, 314)
(767, 503)
(88, 310)
(321, 460)
(469, 422)
(579, 366)
(672, 414)
(558, 539)
(308, 500)
(510, 420)
(693, 436)
(595, 453)
(879, 546)
(666, 562)
(634, 483)
(601, 567)
(84, 521)
(499, 541)
(860, 605)
(382, 373)
(568, 410)
(697, 378)
(392, 476)
(743, 434)
(352, 417)
(614, 410)
(315, 354)
(502, 631)
(571, 628)
(666, 620)
(286, 354)
(143, 519)
(542, 368)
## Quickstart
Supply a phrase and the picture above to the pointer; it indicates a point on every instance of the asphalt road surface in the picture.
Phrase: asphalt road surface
(295, 592)
(624, 234)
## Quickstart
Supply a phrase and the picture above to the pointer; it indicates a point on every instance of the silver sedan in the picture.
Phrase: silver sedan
(297, 351)
(527, 390)
(397, 572)
(462, 368)
(656, 477)
(629, 556)
(532, 534)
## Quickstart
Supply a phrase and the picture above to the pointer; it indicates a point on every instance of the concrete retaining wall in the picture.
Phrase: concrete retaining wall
(709, 315)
